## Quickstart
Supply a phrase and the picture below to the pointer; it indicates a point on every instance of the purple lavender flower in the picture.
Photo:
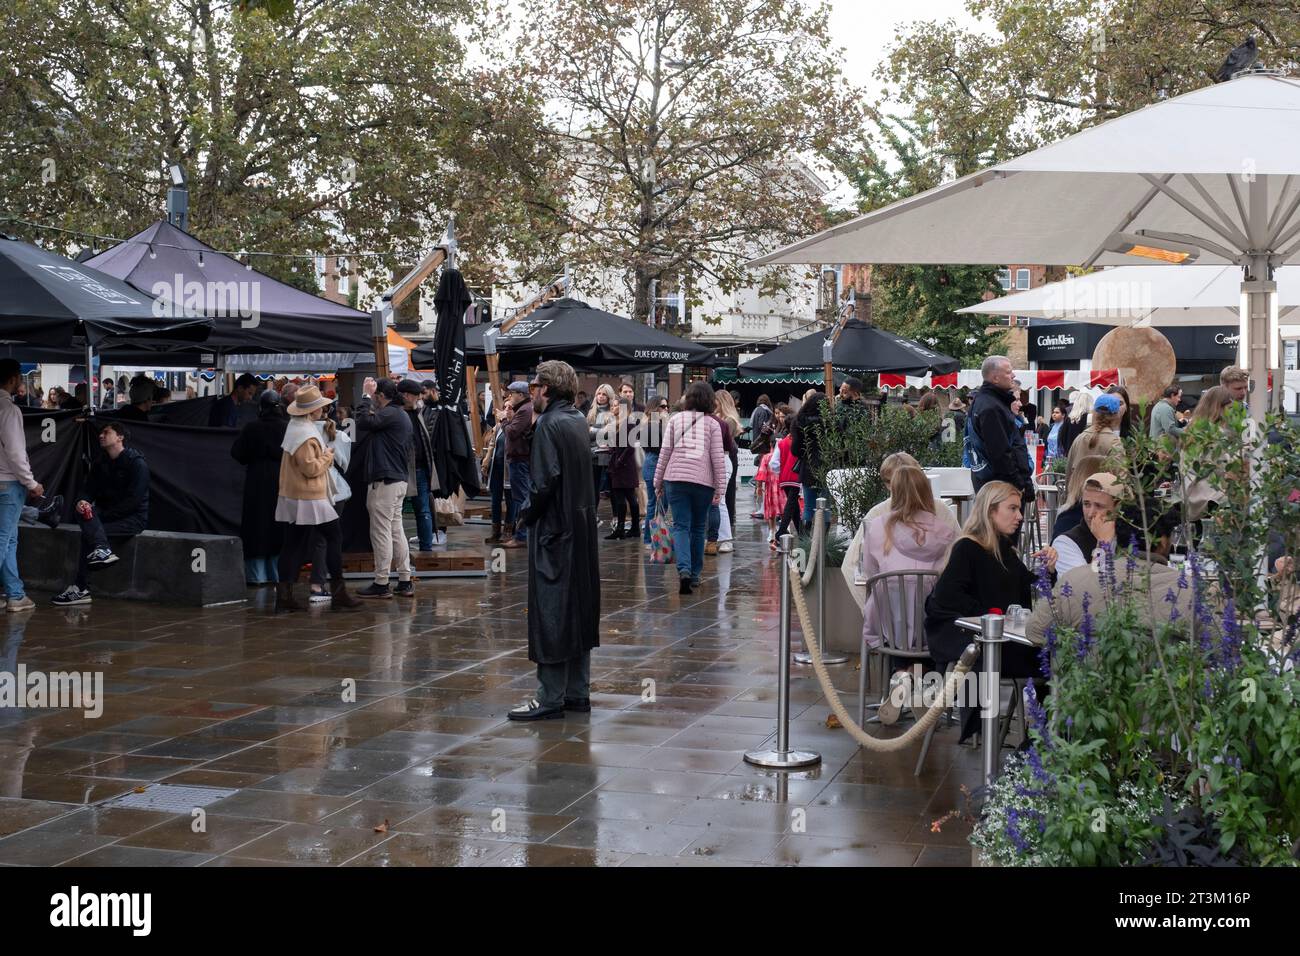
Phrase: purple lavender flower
(1085, 644)
(1035, 761)
(1013, 831)
(1066, 590)
(1048, 652)
(1230, 641)
(1043, 583)
(1036, 713)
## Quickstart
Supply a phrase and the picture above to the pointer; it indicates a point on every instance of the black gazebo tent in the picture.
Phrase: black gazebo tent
(861, 349)
(52, 302)
(253, 312)
(585, 337)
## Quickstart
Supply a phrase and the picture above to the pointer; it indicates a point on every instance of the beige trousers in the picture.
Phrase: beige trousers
(387, 536)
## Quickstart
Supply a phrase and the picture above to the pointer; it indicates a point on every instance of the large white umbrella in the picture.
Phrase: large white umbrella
(1143, 295)
(1212, 177)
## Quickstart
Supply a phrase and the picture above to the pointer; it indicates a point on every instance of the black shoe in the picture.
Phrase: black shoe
(684, 586)
(49, 512)
(533, 710)
(616, 535)
(375, 591)
(581, 705)
(404, 589)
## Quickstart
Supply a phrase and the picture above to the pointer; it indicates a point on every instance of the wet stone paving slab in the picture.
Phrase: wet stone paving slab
(234, 737)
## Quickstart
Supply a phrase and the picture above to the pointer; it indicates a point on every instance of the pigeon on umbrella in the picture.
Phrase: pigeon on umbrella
(1242, 58)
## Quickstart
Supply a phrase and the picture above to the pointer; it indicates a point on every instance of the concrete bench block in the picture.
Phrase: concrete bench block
(166, 567)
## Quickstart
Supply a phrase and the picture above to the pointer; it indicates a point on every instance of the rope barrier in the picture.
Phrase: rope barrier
(875, 744)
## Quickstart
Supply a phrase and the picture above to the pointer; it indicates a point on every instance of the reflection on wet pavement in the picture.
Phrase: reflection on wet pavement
(378, 738)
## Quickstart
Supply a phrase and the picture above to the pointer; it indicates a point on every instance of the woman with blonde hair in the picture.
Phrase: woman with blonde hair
(1214, 402)
(1201, 494)
(909, 536)
(722, 525)
(984, 573)
(599, 417)
(1101, 439)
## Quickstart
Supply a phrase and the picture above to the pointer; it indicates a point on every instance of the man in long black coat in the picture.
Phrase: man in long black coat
(563, 572)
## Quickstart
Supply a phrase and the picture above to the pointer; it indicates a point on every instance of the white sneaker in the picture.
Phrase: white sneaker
(900, 693)
(25, 604)
(725, 547)
(320, 597)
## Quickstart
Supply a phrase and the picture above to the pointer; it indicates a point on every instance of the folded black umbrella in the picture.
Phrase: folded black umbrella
(586, 338)
(861, 349)
(47, 300)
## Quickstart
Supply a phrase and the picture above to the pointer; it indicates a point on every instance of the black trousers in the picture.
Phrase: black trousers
(791, 513)
(621, 499)
(95, 534)
(300, 543)
(730, 497)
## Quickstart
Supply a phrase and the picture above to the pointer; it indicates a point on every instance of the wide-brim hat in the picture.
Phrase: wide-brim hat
(308, 400)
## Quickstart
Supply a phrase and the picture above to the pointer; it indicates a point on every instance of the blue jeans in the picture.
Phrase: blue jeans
(423, 509)
(520, 482)
(689, 503)
(264, 570)
(810, 496)
(648, 476)
(12, 498)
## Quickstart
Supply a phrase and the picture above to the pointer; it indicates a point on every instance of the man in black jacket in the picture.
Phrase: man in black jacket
(382, 420)
(422, 476)
(563, 556)
(114, 504)
(997, 446)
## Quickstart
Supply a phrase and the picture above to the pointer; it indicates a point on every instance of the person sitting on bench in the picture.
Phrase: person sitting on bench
(114, 504)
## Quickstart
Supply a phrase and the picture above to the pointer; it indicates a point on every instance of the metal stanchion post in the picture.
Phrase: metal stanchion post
(822, 522)
(991, 641)
(783, 758)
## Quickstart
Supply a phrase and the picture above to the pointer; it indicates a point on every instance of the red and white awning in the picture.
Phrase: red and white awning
(971, 378)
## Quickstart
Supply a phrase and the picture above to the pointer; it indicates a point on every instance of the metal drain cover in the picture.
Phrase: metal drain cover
(170, 798)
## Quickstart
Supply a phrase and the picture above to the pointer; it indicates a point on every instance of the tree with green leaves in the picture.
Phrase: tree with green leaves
(1052, 67)
(340, 125)
(682, 126)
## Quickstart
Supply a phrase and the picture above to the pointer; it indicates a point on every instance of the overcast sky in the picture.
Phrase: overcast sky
(867, 28)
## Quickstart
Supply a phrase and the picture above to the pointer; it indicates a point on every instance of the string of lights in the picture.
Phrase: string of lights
(234, 253)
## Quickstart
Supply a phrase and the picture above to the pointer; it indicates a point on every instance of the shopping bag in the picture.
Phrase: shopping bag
(661, 534)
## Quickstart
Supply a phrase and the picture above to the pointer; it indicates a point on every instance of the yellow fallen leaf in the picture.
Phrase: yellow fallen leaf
(833, 722)
(382, 828)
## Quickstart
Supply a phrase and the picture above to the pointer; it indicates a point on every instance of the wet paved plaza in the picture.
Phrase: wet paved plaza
(243, 714)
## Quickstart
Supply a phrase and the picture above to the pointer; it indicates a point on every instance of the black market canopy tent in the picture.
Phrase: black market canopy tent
(254, 313)
(47, 300)
(586, 338)
(730, 375)
(860, 349)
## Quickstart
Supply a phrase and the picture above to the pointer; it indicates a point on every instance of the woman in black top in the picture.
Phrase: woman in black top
(984, 572)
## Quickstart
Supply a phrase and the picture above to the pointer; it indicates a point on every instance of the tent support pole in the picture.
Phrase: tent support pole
(475, 422)
(90, 384)
(494, 378)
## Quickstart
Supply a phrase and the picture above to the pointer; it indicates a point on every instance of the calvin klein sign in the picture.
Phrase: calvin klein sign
(1055, 341)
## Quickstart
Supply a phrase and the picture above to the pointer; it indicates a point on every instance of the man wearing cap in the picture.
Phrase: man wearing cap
(422, 476)
(1078, 546)
(996, 446)
(141, 397)
(1152, 575)
(381, 419)
(563, 555)
(518, 418)
(225, 410)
